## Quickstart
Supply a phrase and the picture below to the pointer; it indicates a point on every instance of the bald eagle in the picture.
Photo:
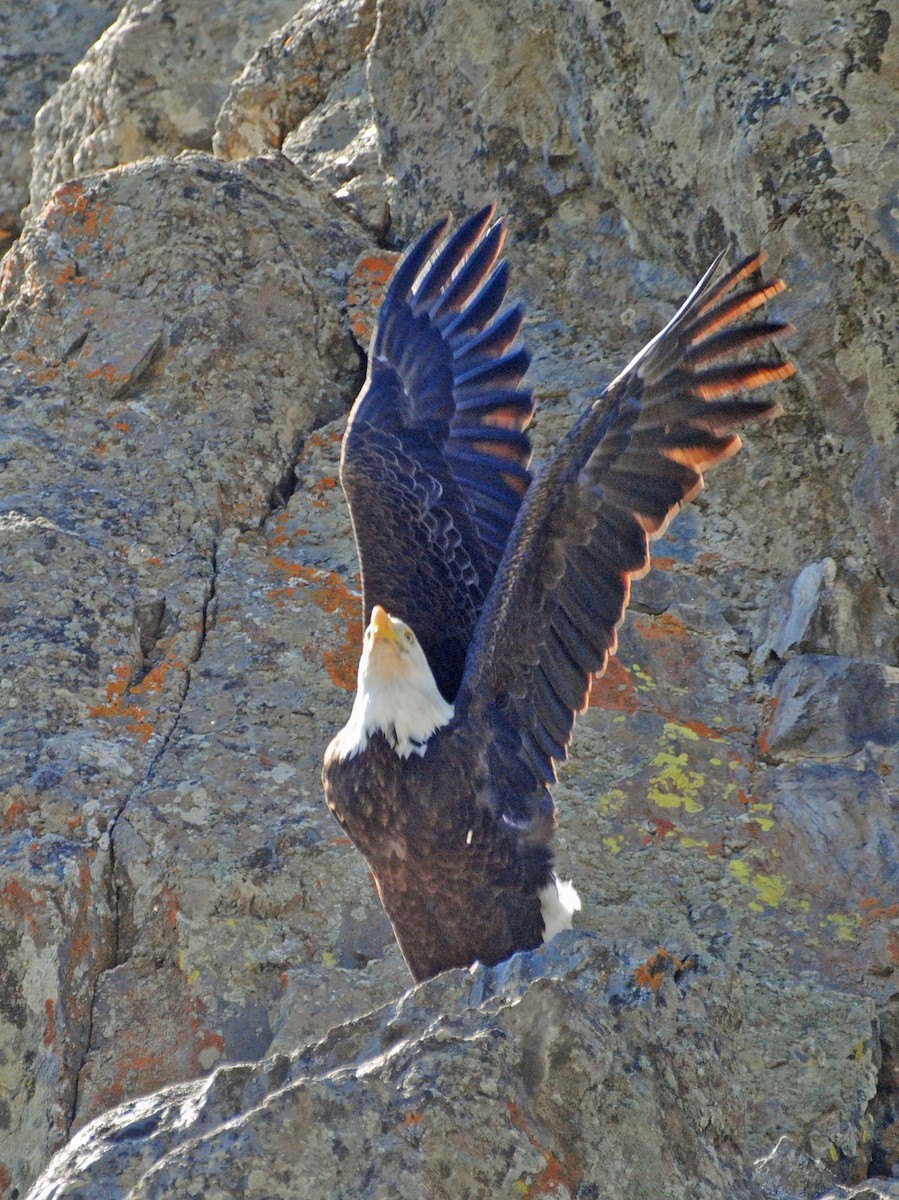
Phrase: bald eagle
(494, 593)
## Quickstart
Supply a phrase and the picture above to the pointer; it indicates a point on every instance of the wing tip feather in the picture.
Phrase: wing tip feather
(745, 376)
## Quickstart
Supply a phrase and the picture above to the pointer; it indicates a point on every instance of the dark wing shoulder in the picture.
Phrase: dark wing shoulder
(436, 453)
(626, 467)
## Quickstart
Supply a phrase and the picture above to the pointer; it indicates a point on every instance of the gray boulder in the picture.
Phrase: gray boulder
(152, 84)
(40, 45)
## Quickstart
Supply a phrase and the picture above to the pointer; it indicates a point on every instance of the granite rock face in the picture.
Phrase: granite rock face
(152, 84)
(151, 409)
(305, 93)
(180, 339)
(528, 1066)
(41, 42)
(291, 74)
(618, 128)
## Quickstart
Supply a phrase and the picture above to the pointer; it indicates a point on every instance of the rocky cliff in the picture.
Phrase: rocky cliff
(199, 993)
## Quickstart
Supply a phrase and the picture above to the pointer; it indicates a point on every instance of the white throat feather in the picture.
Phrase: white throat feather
(396, 695)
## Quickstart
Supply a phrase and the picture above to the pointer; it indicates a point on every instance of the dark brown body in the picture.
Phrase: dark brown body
(457, 884)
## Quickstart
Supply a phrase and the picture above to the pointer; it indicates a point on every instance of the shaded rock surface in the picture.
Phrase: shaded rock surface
(181, 617)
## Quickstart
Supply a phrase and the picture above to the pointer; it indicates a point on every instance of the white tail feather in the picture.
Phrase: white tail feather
(558, 904)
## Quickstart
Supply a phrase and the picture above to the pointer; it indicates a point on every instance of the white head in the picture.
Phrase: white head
(396, 692)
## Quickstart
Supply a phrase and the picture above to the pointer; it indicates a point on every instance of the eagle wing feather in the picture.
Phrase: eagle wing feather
(436, 454)
(627, 466)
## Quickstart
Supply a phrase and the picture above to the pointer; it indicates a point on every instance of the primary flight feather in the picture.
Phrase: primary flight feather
(495, 594)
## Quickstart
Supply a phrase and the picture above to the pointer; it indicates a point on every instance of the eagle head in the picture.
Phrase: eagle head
(391, 650)
(396, 693)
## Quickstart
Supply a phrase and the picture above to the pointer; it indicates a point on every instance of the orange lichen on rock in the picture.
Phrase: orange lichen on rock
(365, 291)
(699, 727)
(663, 626)
(874, 909)
(106, 372)
(168, 902)
(21, 902)
(17, 809)
(331, 594)
(558, 1173)
(661, 828)
(651, 973)
(893, 948)
(70, 203)
(120, 707)
(153, 680)
(119, 704)
(770, 708)
(319, 489)
(49, 1029)
(673, 651)
(68, 275)
(135, 1070)
(614, 691)
(82, 943)
(278, 537)
(318, 441)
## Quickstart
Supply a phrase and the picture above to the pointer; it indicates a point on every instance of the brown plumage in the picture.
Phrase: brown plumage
(514, 585)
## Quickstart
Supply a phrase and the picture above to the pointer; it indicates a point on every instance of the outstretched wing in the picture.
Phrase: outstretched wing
(436, 453)
(623, 471)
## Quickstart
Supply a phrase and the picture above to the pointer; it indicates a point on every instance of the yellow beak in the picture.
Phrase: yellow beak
(381, 624)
